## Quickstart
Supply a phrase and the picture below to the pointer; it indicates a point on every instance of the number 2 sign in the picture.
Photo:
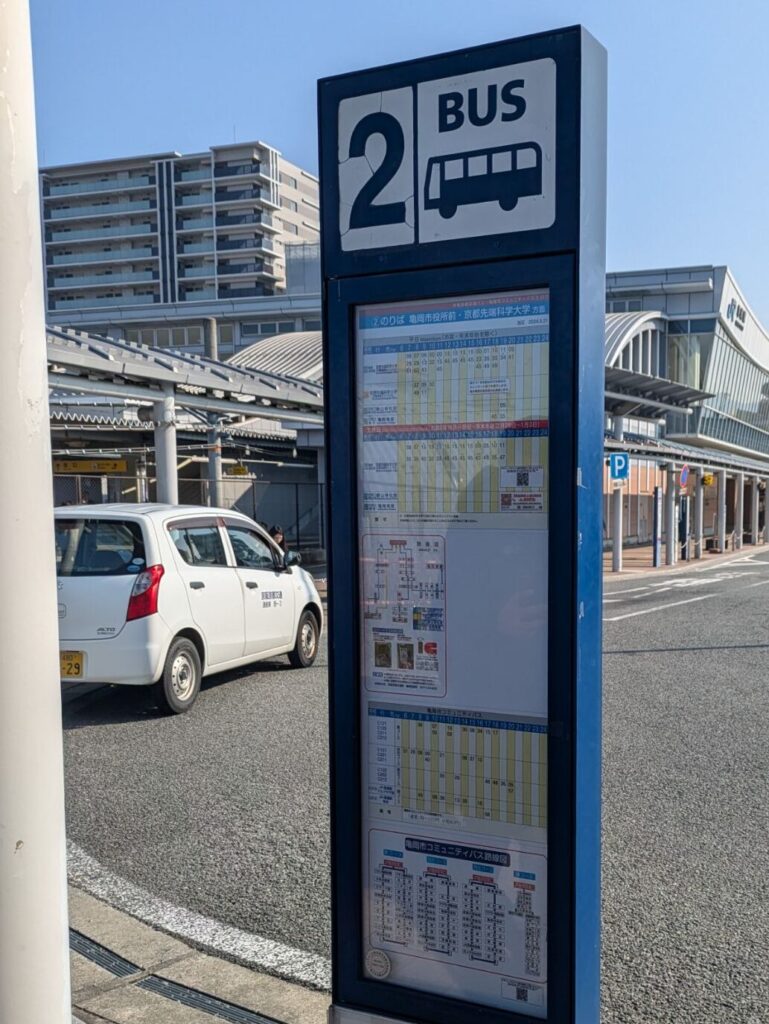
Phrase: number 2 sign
(479, 161)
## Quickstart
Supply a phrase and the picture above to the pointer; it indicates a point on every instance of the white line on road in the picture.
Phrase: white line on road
(203, 932)
(659, 608)
(760, 583)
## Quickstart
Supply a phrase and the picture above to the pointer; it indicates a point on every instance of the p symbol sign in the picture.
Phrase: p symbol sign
(619, 465)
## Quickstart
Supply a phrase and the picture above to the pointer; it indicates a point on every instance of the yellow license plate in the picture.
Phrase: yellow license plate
(71, 664)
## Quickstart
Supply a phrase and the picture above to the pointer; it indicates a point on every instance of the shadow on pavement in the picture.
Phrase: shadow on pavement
(89, 705)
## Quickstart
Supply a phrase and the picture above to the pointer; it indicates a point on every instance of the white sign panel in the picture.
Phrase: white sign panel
(479, 161)
(453, 432)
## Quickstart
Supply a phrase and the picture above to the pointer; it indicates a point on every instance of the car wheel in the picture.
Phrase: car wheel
(306, 647)
(179, 685)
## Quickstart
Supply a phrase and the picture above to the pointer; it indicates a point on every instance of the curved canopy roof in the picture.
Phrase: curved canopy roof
(299, 354)
(620, 328)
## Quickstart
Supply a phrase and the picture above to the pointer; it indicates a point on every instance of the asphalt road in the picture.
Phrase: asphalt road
(225, 811)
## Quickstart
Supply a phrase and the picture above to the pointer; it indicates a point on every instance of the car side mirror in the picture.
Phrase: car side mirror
(292, 558)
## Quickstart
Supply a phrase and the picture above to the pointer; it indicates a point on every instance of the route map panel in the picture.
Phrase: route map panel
(475, 906)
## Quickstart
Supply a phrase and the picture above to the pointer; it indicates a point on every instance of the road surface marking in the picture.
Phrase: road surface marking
(659, 607)
(204, 932)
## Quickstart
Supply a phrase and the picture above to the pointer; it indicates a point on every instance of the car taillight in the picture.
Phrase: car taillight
(144, 596)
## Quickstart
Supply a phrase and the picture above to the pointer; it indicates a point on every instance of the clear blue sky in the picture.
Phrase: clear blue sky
(688, 94)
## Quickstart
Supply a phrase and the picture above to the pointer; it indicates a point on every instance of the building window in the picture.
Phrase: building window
(286, 326)
(292, 229)
(289, 204)
(226, 334)
(163, 337)
(312, 325)
(286, 179)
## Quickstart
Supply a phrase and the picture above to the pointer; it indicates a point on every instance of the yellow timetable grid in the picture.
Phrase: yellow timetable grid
(485, 409)
(458, 764)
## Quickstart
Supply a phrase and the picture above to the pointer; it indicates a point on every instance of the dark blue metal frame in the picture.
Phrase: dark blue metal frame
(564, 48)
(351, 988)
(549, 258)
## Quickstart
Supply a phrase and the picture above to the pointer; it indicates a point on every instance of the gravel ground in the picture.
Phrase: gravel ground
(225, 810)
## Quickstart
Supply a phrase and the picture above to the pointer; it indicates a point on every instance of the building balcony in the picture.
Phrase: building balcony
(95, 302)
(194, 199)
(241, 269)
(94, 234)
(246, 169)
(190, 247)
(193, 174)
(207, 271)
(200, 295)
(253, 291)
(245, 245)
(107, 210)
(116, 256)
(194, 224)
(102, 280)
(86, 187)
(237, 195)
(237, 221)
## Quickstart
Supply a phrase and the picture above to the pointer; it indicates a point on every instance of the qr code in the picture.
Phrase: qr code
(522, 477)
(522, 994)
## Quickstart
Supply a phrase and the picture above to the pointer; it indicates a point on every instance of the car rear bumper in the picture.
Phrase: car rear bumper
(132, 658)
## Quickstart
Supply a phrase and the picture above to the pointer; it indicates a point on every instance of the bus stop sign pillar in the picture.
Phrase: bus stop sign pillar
(699, 510)
(671, 530)
(463, 239)
(754, 511)
(739, 526)
(721, 520)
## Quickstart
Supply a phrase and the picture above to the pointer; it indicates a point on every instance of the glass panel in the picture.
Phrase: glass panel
(251, 552)
(199, 545)
(98, 547)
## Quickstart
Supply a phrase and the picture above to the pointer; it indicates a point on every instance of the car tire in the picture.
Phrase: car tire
(178, 687)
(307, 639)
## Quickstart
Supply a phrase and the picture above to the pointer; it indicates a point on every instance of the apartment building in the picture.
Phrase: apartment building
(152, 247)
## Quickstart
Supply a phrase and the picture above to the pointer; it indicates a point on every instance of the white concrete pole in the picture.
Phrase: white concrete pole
(721, 510)
(739, 526)
(754, 511)
(165, 447)
(34, 941)
(670, 516)
(699, 507)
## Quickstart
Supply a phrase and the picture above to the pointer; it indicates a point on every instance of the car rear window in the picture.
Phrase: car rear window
(98, 547)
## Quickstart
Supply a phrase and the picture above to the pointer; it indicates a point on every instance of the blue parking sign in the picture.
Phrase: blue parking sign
(619, 466)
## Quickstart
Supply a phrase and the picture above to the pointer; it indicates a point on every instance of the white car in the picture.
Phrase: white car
(164, 594)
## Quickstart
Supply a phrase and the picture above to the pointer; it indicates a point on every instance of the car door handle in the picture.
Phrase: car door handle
(197, 585)
(251, 585)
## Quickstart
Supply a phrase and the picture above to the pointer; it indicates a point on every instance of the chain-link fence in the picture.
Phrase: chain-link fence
(298, 508)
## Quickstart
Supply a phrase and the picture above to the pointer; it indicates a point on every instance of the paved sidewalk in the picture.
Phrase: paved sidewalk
(124, 972)
(637, 560)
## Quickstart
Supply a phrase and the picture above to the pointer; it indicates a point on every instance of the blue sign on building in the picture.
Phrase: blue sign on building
(619, 465)
(463, 236)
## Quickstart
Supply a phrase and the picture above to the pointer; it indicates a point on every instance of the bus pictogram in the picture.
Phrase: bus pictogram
(502, 174)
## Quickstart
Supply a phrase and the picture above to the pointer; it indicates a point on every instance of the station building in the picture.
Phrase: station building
(686, 391)
(687, 385)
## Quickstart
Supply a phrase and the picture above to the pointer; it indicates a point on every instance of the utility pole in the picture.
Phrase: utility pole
(34, 954)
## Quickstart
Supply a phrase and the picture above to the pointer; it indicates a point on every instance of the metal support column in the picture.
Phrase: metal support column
(721, 520)
(142, 489)
(617, 503)
(739, 524)
(671, 531)
(214, 462)
(754, 511)
(211, 342)
(34, 939)
(617, 500)
(699, 511)
(165, 447)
